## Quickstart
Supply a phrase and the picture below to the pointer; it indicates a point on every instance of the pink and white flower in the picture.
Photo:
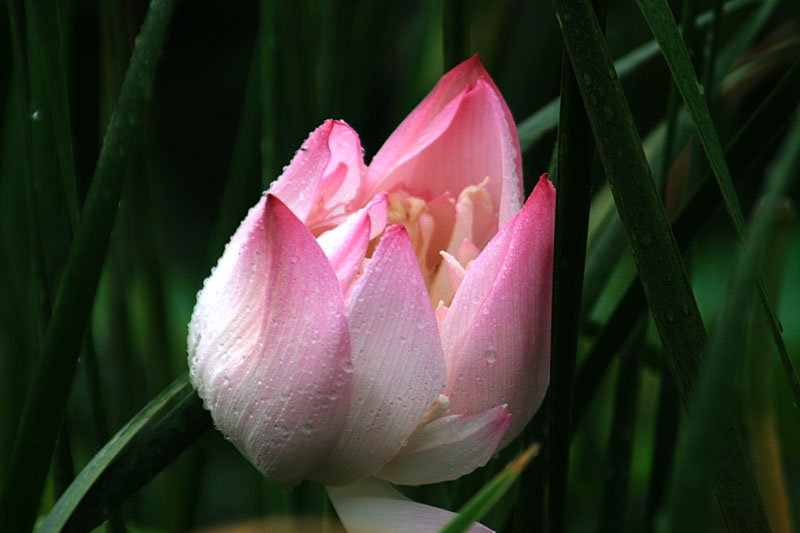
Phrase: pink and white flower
(390, 321)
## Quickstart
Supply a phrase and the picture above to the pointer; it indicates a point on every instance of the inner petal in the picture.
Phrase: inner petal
(460, 228)
(428, 223)
(339, 191)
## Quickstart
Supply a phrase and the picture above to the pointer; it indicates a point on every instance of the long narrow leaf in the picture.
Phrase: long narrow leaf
(602, 258)
(697, 454)
(668, 418)
(759, 416)
(655, 251)
(149, 441)
(545, 119)
(480, 504)
(659, 18)
(46, 30)
(49, 389)
(574, 184)
(744, 38)
(619, 450)
(771, 115)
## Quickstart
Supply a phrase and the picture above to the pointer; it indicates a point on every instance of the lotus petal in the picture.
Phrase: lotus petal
(397, 357)
(374, 506)
(448, 448)
(273, 370)
(496, 334)
(461, 133)
(325, 175)
(346, 244)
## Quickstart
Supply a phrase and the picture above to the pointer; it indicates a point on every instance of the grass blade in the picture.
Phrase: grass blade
(666, 440)
(602, 258)
(480, 504)
(574, 186)
(538, 124)
(712, 49)
(758, 401)
(771, 115)
(659, 18)
(545, 120)
(697, 452)
(46, 399)
(620, 438)
(148, 442)
(45, 22)
(655, 251)
(752, 27)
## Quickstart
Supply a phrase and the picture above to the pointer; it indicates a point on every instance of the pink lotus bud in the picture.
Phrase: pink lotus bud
(391, 320)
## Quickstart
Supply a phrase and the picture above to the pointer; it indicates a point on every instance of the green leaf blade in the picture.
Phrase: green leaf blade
(481, 502)
(162, 429)
(47, 395)
(659, 18)
(653, 246)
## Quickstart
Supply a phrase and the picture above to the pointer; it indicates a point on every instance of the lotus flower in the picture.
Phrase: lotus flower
(388, 323)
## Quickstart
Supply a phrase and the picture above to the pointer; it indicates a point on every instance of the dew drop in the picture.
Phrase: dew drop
(347, 366)
(491, 355)
(307, 428)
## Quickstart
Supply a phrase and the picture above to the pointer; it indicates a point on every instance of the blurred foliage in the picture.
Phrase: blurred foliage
(228, 108)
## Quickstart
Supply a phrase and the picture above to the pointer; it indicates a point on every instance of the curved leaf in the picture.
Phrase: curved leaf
(148, 442)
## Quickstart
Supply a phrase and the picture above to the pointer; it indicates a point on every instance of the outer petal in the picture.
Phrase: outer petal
(398, 362)
(448, 448)
(325, 175)
(374, 506)
(496, 334)
(346, 244)
(269, 347)
(458, 135)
